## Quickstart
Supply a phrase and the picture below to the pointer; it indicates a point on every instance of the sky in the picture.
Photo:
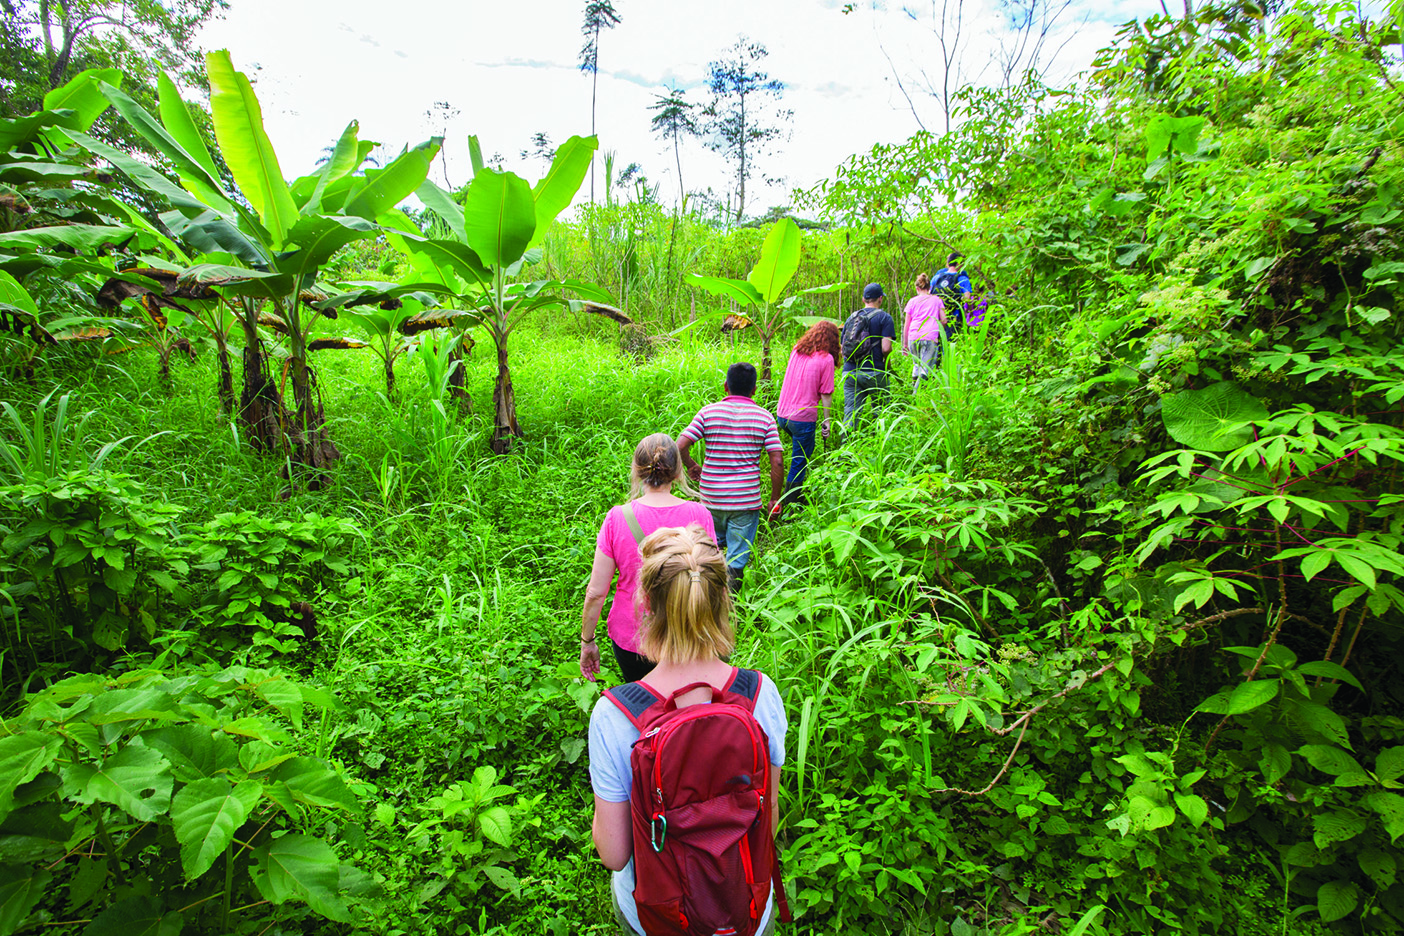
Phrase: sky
(509, 70)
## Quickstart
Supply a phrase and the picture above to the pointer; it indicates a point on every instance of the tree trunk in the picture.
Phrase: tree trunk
(261, 410)
(311, 447)
(226, 375)
(389, 376)
(765, 357)
(504, 404)
(458, 381)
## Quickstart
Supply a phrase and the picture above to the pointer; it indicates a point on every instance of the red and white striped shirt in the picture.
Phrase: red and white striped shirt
(736, 431)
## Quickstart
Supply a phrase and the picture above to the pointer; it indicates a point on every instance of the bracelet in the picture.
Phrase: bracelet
(583, 640)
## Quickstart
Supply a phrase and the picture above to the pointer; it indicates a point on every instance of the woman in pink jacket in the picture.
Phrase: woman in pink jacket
(923, 321)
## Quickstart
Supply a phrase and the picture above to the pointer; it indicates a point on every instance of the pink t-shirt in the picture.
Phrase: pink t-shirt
(924, 317)
(616, 542)
(807, 376)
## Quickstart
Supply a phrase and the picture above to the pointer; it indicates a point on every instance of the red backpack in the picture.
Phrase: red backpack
(704, 856)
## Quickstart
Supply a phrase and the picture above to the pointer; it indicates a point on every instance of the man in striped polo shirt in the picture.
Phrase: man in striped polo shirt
(736, 431)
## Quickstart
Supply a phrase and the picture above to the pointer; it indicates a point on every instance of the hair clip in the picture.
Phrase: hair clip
(696, 575)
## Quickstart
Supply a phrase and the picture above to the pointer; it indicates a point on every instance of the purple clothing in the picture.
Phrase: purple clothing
(807, 377)
(923, 318)
(616, 542)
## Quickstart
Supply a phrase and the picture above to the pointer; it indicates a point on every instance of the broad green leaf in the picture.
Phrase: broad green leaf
(1138, 765)
(13, 294)
(83, 238)
(1315, 717)
(496, 825)
(346, 156)
(779, 259)
(123, 705)
(740, 291)
(194, 751)
(83, 95)
(1275, 763)
(1390, 807)
(281, 693)
(553, 194)
(136, 779)
(22, 758)
(1314, 561)
(135, 916)
(206, 814)
(503, 878)
(1195, 809)
(457, 258)
(1335, 827)
(145, 176)
(1329, 671)
(499, 217)
(1380, 866)
(443, 205)
(302, 868)
(175, 117)
(186, 165)
(317, 239)
(313, 781)
(1336, 899)
(1160, 817)
(1242, 698)
(386, 188)
(238, 122)
(1201, 419)
(20, 890)
(1389, 764)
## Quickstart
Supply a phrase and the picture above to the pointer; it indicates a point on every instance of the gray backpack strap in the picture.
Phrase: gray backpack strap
(633, 521)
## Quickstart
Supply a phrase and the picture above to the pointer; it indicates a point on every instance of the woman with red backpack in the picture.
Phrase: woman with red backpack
(685, 763)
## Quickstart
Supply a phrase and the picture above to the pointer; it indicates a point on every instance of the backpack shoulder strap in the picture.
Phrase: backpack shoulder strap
(633, 699)
(745, 683)
(632, 520)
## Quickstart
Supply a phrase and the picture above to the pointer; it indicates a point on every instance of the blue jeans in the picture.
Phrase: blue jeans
(802, 435)
(736, 534)
(858, 386)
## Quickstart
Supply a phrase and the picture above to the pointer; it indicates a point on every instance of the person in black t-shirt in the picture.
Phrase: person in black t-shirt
(865, 370)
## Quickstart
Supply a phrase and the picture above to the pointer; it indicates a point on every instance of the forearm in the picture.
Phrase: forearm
(826, 400)
(777, 476)
(685, 453)
(590, 616)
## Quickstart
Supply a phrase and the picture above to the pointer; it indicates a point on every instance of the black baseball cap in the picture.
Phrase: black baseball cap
(872, 291)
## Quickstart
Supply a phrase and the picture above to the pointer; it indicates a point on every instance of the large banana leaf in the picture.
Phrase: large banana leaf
(443, 205)
(459, 258)
(499, 217)
(84, 238)
(553, 194)
(238, 121)
(739, 290)
(186, 165)
(142, 174)
(20, 130)
(347, 154)
(176, 118)
(386, 188)
(779, 259)
(318, 238)
(83, 96)
(238, 281)
(212, 233)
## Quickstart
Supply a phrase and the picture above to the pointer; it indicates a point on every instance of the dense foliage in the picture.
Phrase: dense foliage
(1100, 631)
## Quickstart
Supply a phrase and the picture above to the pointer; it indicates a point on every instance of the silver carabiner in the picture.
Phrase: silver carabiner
(654, 838)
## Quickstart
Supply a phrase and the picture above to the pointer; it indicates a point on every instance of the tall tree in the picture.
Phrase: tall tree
(735, 125)
(599, 16)
(673, 121)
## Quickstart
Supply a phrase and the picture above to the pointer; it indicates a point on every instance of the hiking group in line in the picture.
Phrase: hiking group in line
(685, 792)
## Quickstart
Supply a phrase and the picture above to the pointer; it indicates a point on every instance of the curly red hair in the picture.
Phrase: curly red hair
(822, 336)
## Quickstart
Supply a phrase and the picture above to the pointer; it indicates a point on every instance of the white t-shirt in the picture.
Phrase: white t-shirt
(612, 736)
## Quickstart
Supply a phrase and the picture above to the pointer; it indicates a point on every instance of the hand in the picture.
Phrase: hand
(589, 660)
(824, 430)
(694, 472)
(771, 509)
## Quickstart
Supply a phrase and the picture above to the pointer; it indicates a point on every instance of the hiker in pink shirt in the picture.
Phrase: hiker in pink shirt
(657, 467)
(808, 388)
(924, 319)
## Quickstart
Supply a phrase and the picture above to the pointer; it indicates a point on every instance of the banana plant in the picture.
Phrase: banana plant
(277, 234)
(762, 288)
(501, 220)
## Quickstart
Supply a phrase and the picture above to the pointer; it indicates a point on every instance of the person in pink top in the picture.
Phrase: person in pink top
(808, 388)
(657, 466)
(924, 319)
